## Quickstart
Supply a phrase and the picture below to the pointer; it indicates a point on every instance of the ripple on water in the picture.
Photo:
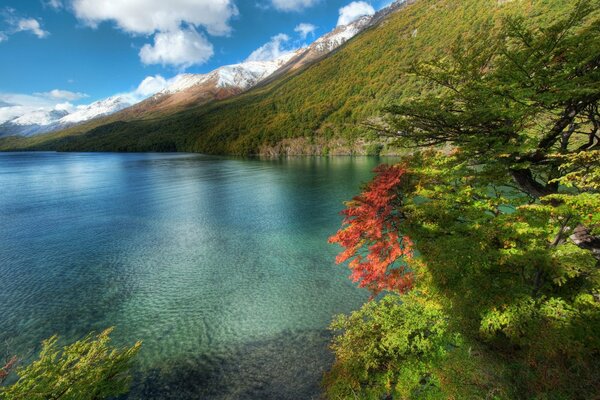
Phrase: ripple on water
(219, 265)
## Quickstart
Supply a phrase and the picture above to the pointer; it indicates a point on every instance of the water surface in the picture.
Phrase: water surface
(220, 266)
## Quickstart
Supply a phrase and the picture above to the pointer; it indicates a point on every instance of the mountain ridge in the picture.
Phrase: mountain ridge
(188, 89)
(317, 108)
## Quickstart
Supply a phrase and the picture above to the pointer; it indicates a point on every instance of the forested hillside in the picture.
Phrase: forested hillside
(334, 98)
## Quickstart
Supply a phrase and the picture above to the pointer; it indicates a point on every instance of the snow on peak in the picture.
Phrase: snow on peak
(39, 117)
(249, 73)
(340, 35)
(243, 75)
(96, 109)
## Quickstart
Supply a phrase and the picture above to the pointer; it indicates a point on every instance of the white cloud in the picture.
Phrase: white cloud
(293, 5)
(149, 16)
(150, 85)
(32, 25)
(181, 48)
(147, 87)
(271, 50)
(15, 23)
(175, 25)
(58, 94)
(19, 104)
(305, 29)
(56, 4)
(353, 11)
(66, 106)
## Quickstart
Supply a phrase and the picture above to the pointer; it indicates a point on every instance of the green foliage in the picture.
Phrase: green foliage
(403, 347)
(87, 369)
(388, 347)
(504, 208)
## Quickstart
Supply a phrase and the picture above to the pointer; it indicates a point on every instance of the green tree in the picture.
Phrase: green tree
(501, 199)
(388, 347)
(88, 369)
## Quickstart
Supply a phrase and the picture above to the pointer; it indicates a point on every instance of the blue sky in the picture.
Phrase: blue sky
(84, 50)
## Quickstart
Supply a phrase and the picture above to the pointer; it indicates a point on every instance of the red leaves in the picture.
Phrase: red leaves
(4, 371)
(371, 221)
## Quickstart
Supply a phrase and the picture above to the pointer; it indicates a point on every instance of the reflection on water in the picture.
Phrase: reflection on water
(219, 265)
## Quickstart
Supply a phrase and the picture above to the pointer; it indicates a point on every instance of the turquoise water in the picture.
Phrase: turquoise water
(220, 266)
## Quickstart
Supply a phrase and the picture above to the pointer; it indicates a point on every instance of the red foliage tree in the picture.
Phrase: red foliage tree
(370, 237)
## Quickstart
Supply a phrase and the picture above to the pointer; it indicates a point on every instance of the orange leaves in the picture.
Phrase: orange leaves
(370, 237)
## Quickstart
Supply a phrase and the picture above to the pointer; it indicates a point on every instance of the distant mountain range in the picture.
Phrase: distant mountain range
(43, 121)
(191, 89)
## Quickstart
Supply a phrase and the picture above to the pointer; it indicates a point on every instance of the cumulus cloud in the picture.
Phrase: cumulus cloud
(175, 25)
(181, 48)
(305, 29)
(150, 85)
(293, 5)
(58, 94)
(271, 50)
(149, 16)
(353, 11)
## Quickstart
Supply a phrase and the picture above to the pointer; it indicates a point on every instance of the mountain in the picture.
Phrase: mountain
(96, 109)
(43, 121)
(319, 107)
(186, 90)
(193, 89)
(329, 42)
(32, 123)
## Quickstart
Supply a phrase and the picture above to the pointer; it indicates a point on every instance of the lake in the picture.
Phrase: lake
(219, 265)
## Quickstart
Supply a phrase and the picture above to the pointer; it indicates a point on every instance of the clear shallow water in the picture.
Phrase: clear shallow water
(221, 266)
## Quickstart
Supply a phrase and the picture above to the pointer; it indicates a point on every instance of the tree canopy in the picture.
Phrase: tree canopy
(501, 200)
(89, 369)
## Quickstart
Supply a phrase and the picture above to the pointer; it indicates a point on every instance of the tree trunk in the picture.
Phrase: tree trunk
(524, 178)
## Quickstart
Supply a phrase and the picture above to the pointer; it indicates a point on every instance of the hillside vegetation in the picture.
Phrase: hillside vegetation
(332, 99)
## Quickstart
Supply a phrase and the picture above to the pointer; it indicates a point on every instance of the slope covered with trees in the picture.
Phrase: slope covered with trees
(334, 98)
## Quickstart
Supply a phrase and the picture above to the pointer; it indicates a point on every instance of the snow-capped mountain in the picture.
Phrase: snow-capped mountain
(339, 35)
(229, 80)
(43, 121)
(196, 89)
(326, 44)
(242, 76)
(96, 109)
(40, 117)
(185, 90)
